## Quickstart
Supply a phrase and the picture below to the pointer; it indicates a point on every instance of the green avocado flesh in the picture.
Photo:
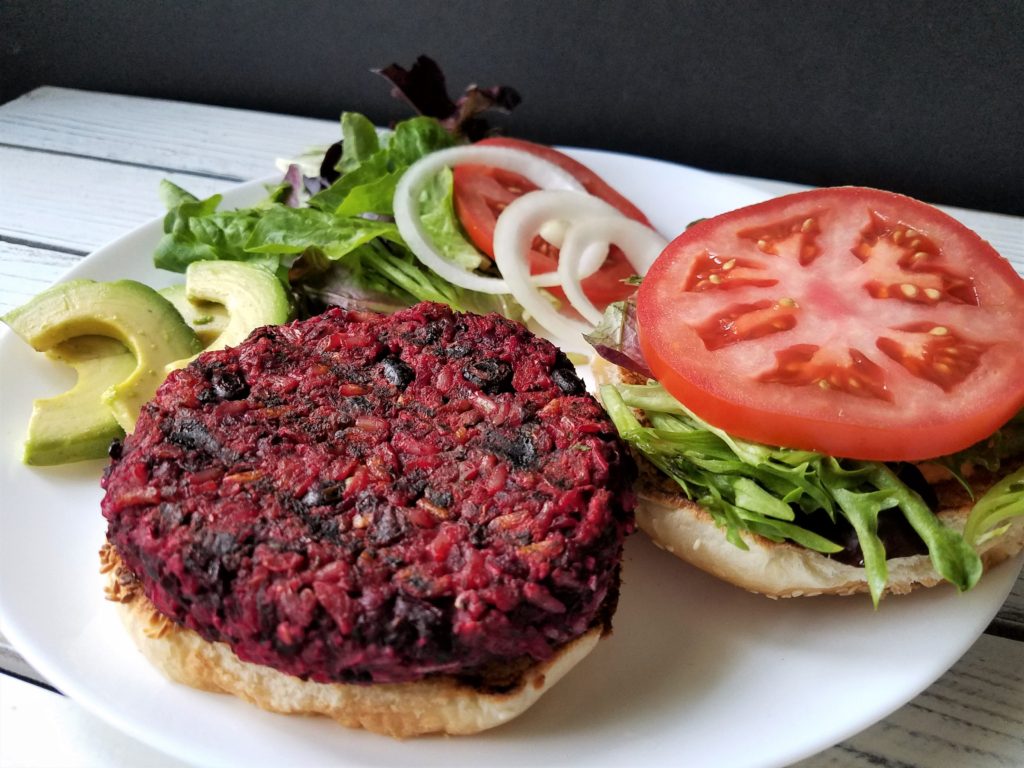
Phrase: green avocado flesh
(132, 313)
(207, 318)
(252, 296)
(76, 425)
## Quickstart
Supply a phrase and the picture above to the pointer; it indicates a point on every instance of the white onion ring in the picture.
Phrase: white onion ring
(514, 232)
(587, 237)
(593, 257)
(541, 172)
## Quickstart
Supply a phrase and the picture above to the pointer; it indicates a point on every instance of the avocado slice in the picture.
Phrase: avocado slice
(134, 314)
(253, 296)
(207, 318)
(76, 425)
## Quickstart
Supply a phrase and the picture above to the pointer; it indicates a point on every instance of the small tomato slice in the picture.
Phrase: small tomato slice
(854, 322)
(482, 193)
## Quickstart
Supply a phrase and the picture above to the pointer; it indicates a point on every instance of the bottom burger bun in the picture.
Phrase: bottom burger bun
(683, 528)
(435, 705)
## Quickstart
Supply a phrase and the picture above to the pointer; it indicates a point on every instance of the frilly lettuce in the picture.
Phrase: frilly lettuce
(993, 511)
(769, 491)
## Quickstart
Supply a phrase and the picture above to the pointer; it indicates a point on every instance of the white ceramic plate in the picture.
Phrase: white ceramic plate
(696, 673)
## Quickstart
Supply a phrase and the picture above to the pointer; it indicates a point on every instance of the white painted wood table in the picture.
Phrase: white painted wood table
(78, 169)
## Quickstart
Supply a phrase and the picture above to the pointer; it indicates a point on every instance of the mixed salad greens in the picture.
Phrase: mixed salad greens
(328, 230)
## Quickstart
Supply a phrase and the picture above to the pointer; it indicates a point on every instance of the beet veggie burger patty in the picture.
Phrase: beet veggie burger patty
(367, 498)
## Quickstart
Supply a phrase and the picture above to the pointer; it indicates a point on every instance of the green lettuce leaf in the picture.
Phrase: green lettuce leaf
(293, 230)
(194, 230)
(437, 212)
(415, 138)
(1003, 501)
(370, 171)
(359, 141)
(366, 174)
(770, 491)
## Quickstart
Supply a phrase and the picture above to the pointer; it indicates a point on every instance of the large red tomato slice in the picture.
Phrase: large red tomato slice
(854, 322)
(482, 193)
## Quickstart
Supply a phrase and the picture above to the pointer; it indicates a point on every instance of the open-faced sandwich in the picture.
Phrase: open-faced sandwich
(825, 390)
(410, 523)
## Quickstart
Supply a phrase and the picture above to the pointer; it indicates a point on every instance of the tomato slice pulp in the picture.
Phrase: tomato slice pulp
(850, 321)
(482, 193)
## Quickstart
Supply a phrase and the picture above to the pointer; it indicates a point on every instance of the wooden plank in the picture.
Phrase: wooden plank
(57, 201)
(1010, 621)
(189, 138)
(969, 717)
(26, 270)
(11, 663)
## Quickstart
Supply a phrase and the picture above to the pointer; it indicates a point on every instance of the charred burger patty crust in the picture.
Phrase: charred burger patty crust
(365, 498)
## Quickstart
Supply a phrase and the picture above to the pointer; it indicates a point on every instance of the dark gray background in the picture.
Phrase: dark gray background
(925, 98)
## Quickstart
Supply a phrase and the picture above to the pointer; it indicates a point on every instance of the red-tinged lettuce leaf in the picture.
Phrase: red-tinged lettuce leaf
(615, 338)
(423, 86)
(322, 283)
(295, 184)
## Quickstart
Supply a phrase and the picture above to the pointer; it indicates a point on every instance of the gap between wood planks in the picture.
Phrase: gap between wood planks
(129, 163)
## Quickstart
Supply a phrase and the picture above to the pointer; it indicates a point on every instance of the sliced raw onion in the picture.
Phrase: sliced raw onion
(407, 196)
(593, 258)
(513, 234)
(589, 238)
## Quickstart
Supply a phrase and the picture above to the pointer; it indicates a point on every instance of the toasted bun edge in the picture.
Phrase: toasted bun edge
(434, 705)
